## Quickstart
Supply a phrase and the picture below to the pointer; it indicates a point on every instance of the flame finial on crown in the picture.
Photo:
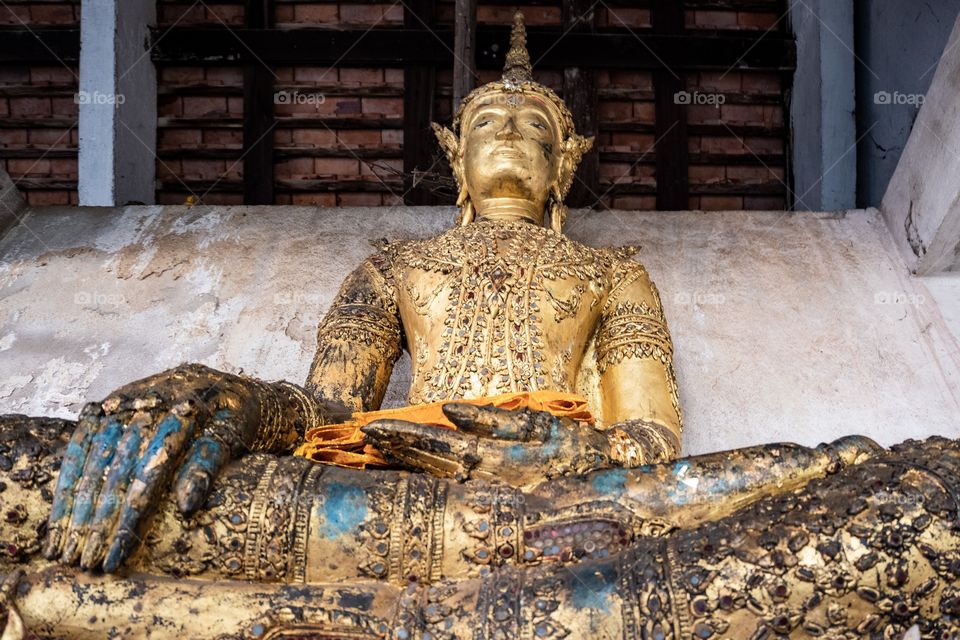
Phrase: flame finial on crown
(517, 68)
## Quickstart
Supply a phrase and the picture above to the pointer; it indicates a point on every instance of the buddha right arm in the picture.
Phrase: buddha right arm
(174, 431)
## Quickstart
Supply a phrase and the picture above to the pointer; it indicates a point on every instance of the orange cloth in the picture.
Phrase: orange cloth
(344, 444)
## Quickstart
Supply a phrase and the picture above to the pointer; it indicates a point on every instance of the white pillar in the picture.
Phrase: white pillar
(922, 202)
(822, 110)
(118, 103)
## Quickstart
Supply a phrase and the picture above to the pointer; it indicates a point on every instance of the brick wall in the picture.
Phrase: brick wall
(38, 112)
(737, 141)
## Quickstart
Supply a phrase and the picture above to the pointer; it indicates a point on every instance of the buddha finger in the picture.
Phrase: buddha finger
(489, 421)
(152, 474)
(203, 461)
(71, 466)
(398, 436)
(114, 488)
(103, 446)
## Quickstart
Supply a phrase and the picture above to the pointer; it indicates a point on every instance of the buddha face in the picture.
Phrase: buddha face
(510, 155)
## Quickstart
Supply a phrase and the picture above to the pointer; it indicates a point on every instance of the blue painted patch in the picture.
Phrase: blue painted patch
(207, 455)
(517, 452)
(592, 587)
(167, 427)
(612, 482)
(344, 509)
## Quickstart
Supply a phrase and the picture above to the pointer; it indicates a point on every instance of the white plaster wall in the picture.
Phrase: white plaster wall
(788, 327)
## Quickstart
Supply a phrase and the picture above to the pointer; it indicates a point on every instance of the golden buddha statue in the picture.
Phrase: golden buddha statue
(178, 511)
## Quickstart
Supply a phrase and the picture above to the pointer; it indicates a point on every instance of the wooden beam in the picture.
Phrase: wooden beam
(580, 94)
(637, 49)
(258, 120)
(419, 145)
(673, 186)
(464, 50)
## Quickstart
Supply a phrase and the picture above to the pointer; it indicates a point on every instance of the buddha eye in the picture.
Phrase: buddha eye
(538, 125)
(481, 124)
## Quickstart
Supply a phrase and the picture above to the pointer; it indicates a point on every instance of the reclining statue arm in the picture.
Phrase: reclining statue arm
(638, 389)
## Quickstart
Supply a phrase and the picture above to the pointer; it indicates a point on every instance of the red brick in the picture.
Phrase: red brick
(757, 20)
(282, 198)
(203, 169)
(74, 137)
(48, 198)
(283, 15)
(235, 106)
(346, 167)
(169, 106)
(322, 138)
(204, 106)
(14, 75)
(183, 15)
(393, 14)
(773, 115)
(306, 102)
(615, 172)
(393, 76)
(630, 141)
(282, 137)
(315, 199)
(365, 14)
(53, 14)
(707, 173)
(764, 145)
(15, 15)
(35, 107)
(226, 14)
(18, 167)
(702, 114)
(294, 168)
(50, 138)
(644, 111)
(549, 78)
(393, 199)
(721, 203)
(754, 175)
(324, 75)
(637, 80)
(64, 107)
(634, 203)
(359, 199)
(742, 113)
(13, 137)
(63, 167)
(359, 138)
(181, 75)
(715, 19)
(712, 144)
(625, 17)
(53, 75)
(361, 77)
(284, 74)
(730, 81)
(694, 144)
(168, 169)
(763, 203)
(615, 111)
(759, 82)
(223, 138)
(382, 168)
(4, 107)
(392, 137)
(74, 199)
(315, 14)
(383, 106)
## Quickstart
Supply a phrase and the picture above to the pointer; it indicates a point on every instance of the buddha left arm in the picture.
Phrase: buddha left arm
(638, 389)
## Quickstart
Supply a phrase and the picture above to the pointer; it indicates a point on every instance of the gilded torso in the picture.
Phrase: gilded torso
(497, 307)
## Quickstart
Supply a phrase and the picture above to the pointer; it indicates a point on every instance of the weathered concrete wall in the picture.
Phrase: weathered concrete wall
(798, 327)
(899, 45)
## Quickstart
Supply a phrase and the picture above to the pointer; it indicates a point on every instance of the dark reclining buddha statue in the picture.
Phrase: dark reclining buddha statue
(532, 488)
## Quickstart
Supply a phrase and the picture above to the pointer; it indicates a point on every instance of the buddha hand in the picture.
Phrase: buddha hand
(519, 447)
(173, 429)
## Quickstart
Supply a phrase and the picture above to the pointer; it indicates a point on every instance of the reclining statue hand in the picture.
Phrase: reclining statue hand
(175, 430)
(521, 447)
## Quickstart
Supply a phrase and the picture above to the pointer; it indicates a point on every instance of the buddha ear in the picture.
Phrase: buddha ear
(571, 152)
(450, 145)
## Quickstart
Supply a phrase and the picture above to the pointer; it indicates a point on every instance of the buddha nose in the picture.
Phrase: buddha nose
(509, 131)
